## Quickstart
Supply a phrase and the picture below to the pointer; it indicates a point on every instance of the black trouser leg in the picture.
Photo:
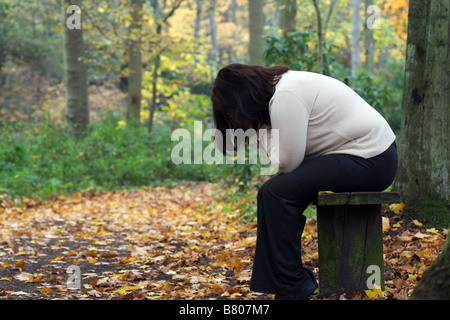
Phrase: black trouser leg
(278, 265)
(281, 201)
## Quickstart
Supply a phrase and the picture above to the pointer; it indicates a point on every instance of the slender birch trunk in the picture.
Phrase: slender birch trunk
(75, 76)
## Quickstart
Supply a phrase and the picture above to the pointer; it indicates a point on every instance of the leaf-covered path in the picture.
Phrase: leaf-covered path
(163, 243)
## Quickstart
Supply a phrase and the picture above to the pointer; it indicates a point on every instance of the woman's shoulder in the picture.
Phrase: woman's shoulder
(309, 83)
(296, 75)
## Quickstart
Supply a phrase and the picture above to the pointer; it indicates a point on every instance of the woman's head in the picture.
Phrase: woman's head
(241, 95)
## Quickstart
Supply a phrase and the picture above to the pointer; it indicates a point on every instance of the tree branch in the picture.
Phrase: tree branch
(96, 26)
(330, 11)
(171, 12)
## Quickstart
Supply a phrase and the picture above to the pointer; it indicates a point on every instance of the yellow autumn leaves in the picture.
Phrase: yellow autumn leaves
(409, 249)
(177, 242)
(160, 243)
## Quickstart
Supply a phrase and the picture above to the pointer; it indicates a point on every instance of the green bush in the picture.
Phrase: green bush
(297, 51)
(41, 159)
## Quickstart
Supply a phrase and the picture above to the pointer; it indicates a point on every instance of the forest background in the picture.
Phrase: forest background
(150, 66)
(92, 92)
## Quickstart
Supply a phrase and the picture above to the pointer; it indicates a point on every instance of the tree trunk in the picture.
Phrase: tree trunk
(288, 14)
(160, 20)
(215, 45)
(77, 110)
(320, 38)
(369, 41)
(356, 37)
(198, 19)
(256, 21)
(423, 176)
(156, 65)
(134, 65)
(322, 31)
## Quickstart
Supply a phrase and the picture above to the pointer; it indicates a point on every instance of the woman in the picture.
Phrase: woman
(329, 139)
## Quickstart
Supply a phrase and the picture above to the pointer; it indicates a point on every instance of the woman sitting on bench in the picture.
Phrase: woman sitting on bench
(329, 139)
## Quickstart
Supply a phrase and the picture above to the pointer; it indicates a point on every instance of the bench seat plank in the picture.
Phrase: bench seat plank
(354, 198)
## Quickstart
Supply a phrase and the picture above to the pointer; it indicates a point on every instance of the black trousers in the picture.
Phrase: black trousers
(281, 201)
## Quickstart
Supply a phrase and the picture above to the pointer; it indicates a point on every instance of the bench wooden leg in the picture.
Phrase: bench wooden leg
(350, 248)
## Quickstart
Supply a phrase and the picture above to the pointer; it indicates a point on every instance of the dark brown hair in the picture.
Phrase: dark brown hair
(241, 94)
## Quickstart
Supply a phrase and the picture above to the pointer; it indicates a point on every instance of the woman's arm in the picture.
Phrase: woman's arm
(289, 114)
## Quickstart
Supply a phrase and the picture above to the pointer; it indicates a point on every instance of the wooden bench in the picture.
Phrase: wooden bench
(351, 241)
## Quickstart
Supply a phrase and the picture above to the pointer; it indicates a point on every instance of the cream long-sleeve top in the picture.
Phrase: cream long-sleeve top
(317, 115)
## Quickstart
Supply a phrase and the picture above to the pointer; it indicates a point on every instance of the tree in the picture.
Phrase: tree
(31, 42)
(77, 110)
(134, 65)
(369, 42)
(322, 31)
(121, 26)
(3, 42)
(423, 176)
(288, 14)
(256, 24)
(356, 37)
(198, 18)
(161, 18)
(213, 27)
(320, 38)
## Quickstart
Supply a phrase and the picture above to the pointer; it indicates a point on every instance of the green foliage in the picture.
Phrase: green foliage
(184, 108)
(290, 49)
(41, 159)
(28, 35)
(296, 50)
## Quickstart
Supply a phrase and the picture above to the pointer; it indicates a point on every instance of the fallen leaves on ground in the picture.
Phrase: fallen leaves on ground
(160, 243)
(409, 249)
(166, 243)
